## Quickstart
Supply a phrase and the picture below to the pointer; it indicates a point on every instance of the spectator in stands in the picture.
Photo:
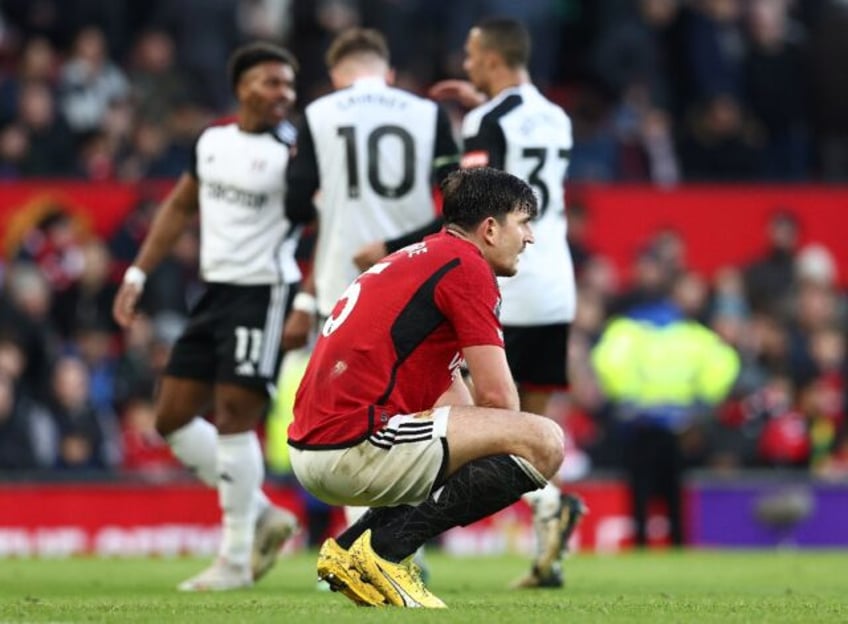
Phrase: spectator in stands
(145, 452)
(135, 375)
(771, 337)
(594, 156)
(43, 19)
(816, 305)
(634, 58)
(88, 299)
(50, 146)
(769, 278)
(316, 24)
(639, 51)
(541, 22)
(101, 151)
(649, 281)
(776, 89)
(152, 154)
(720, 141)
(715, 49)
(266, 20)
(824, 403)
(89, 437)
(585, 420)
(157, 84)
(691, 295)
(28, 437)
(93, 343)
(37, 63)
(14, 147)
(783, 441)
(24, 313)
(730, 317)
(203, 51)
(175, 284)
(670, 248)
(90, 82)
(54, 246)
(731, 438)
(827, 67)
(16, 452)
(125, 241)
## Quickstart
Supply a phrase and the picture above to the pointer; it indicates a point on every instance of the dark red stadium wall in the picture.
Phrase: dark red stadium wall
(721, 224)
(136, 519)
(96, 207)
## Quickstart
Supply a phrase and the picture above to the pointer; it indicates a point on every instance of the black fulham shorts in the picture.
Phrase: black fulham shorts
(233, 336)
(537, 355)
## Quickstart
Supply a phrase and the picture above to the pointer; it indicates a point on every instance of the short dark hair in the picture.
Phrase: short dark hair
(357, 41)
(507, 37)
(252, 54)
(472, 195)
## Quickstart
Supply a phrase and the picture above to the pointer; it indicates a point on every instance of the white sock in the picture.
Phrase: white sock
(545, 504)
(241, 473)
(352, 514)
(195, 445)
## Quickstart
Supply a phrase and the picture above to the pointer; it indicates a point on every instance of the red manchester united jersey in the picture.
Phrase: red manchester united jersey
(393, 341)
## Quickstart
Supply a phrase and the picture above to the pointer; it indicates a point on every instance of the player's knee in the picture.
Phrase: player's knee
(167, 422)
(234, 416)
(551, 448)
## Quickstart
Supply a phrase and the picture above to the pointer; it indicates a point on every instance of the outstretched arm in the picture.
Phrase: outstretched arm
(461, 91)
(174, 216)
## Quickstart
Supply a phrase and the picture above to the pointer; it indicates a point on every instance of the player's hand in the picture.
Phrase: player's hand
(123, 308)
(368, 255)
(460, 90)
(296, 330)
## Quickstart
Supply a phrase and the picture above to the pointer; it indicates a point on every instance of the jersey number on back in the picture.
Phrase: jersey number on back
(375, 137)
(540, 155)
(348, 300)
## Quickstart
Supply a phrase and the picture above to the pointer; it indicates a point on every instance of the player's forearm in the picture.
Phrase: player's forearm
(502, 396)
(176, 214)
(491, 377)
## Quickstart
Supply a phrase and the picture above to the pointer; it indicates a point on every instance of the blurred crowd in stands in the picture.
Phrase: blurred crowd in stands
(659, 91)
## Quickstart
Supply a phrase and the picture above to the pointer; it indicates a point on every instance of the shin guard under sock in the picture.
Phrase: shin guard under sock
(478, 489)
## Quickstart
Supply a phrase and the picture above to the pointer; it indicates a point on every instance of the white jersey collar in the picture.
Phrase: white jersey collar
(368, 81)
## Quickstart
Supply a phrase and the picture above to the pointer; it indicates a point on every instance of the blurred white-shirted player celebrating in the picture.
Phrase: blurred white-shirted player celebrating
(229, 351)
(515, 128)
(375, 152)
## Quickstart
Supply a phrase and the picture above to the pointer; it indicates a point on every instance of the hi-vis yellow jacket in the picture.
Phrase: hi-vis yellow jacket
(663, 372)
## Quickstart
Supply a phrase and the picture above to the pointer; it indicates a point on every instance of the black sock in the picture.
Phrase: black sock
(478, 489)
(369, 520)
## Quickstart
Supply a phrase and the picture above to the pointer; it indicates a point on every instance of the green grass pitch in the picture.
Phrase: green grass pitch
(689, 586)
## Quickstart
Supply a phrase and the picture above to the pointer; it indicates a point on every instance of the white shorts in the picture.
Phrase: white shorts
(397, 465)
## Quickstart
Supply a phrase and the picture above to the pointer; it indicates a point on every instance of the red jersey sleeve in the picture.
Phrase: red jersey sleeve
(470, 299)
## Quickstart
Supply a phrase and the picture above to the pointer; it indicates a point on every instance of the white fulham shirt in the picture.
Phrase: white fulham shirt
(523, 133)
(373, 150)
(245, 237)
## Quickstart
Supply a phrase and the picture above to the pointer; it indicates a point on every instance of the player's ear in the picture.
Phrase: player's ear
(488, 229)
(240, 90)
(493, 59)
(338, 78)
